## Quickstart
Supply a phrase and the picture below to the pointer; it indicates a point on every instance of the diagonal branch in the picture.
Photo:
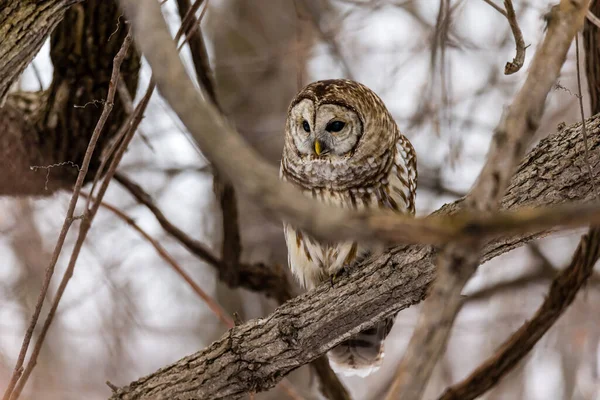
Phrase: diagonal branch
(231, 248)
(255, 355)
(509, 143)
(515, 65)
(271, 281)
(562, 293)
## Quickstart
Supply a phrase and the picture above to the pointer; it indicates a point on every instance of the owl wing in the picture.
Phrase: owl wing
(401, 188)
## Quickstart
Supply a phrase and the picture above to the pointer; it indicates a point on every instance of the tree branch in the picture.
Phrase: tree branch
(19, 46)
(262, 278)
(271, 281)
(459, 261)
(45, 134)
(562, 293)
(231, 248)
(255, 355)
(515, 65)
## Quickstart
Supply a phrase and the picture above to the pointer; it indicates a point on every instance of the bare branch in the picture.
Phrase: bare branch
(496, 7)
(255, 355)
(517, 62)
(592, 18)
(562, 293)
(107, 108)
(164, 254)
(231, 248)
(515, 65)
(271, 281)
(458, 262)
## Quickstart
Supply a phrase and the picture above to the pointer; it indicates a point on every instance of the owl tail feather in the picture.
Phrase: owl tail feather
(361, 354)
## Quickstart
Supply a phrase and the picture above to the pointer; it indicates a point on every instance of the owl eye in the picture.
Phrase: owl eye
(306, 126)
(335, 126)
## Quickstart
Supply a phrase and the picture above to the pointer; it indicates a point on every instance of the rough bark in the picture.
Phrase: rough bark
(45, 134)
(256, 355)
(24, 25)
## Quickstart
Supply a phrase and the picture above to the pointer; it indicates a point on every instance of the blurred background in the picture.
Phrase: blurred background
(437, 64)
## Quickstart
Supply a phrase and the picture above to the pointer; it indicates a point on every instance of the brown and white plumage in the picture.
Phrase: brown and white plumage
(342, 147)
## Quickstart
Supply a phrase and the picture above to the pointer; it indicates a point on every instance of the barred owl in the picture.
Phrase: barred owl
(342, 147)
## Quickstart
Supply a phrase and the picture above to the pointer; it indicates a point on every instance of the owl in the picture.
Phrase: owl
(342, 147)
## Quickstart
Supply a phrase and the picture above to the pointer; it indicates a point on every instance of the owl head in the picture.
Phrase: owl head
(337, 128)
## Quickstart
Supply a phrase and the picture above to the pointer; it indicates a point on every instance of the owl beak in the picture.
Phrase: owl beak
(320, 148)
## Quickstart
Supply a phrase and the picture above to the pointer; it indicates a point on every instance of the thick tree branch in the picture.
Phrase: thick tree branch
(45, 135)
(255, 355)
(24, 26)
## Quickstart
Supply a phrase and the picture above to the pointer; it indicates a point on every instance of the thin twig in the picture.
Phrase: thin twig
(515, 65)
(194, 246)
(496, 7)
(189, 22)
(164, 254)
(591, 42)
(127, 101)
(108, 106)
(269, 280)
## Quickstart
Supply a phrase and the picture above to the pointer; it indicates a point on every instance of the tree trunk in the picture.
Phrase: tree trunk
(45, 134)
